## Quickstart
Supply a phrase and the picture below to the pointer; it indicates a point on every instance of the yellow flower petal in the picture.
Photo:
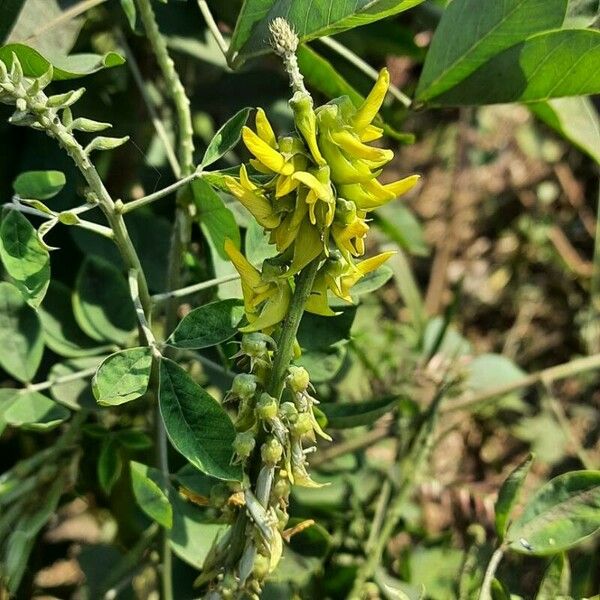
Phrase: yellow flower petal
(317, 303)
(370, 107)
(257, 204)
(260, 167)
(402, 186)
(354, 147)
(322, 191)
(361, 269)
(286, 184)
(306, 122)
(273, 311)
(267, 155)
(371, 133)
(245, 180)
(307, 248)
(250, 277)
(263, 128)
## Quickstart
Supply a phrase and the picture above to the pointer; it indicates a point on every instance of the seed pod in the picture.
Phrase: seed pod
(303, 425)
(254, 345)
(244, 386)
(88, 125)
(66, 99)
(105, 143)
(244, 443)
(266, 407)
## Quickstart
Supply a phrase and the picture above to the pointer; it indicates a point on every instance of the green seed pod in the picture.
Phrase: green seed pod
(261, 566)
(254, 345)
(266, 407)
(281, 489)
(244, 386)
(271, 451)
(299, 379)
(288, 411)
(303, 425)
(219, 494)
(244, 444)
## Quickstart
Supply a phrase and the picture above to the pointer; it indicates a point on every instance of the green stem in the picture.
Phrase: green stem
(486, 586)
(285, 343)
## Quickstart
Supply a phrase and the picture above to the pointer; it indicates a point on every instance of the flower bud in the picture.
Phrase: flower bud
(271, 451)
(281, 488)
(266, 407)
(219, 494)
(261, 567)
(244, 444)
(244, 386)
(299, 379)
(254, 345)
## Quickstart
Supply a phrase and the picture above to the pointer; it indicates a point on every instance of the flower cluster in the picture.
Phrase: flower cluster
(312, 192)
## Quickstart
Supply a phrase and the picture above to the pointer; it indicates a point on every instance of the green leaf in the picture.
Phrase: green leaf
(309, 18)
(21, 334)
(226, 138)
(123, 376)
(149, 495)
(133, 439)
(576, 119)
(9, 11)
(508, 495)
(563, 513)
(196, 424)
(192, 536)
(208, 325)
(129, 9)
(65, 67)
(110, 464)
(35, 412)
(61, 332)
(25, 258)
(7, 397)
(488, 371)
(468, 36)
(78, 391)
(40, 185)
(101, 302)
(557, 580)
(402, 227)
(256, 244)
(548, 65)
(355, 414)
(216, 220)
(323, 365)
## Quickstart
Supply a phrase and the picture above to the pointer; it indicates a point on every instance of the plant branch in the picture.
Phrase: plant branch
(212, 26)
(150, 198)
(490, 572)
(562, 371)
(363, 66)
(192, 289)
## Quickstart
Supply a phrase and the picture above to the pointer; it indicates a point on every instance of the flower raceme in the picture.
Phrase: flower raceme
(312, 192)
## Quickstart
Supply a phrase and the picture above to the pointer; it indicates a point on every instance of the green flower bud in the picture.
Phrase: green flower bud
(244, 386)
(288, 411)
(299, 379)
(281, 488)
(244, 444)
(261, 567)
(219, 494)
(303, 425)
(271, 451)
(266, 407)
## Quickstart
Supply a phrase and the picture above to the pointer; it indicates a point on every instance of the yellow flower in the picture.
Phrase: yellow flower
(306, 123)
(319, 186)
(253, 199)
(372, 194)
(370, 107)
(266, 154)
(349, 229)
(350, 279)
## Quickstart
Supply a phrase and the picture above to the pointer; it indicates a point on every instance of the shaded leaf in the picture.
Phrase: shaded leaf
(508, 495)
(110, 465)
(61, 332)
(25, 258)
(309, 18)
(65, 67)
(101, 302)
(582, 13)
(40, 185)
(208, 325)
(400, 225)
(129, 9)
(21, 334)
(576, 119)
(78, 391)
(256, 244)
(149, 495)
(123, 376)
(216, 220)
(35, 412)
(564, 512)
(552, 64)
(557, 579)
(9, 11)
(134, 439)
(467, 37)
(196, 424)
(226, 138)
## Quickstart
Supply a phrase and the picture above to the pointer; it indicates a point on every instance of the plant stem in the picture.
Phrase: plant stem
(287, 337)
(562, 371)
(363, 66)
(192, 289)
(486, 586)
(135, 204)
(212, 26)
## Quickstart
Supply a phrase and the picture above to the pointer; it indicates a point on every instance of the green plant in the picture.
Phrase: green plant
(214, 416)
